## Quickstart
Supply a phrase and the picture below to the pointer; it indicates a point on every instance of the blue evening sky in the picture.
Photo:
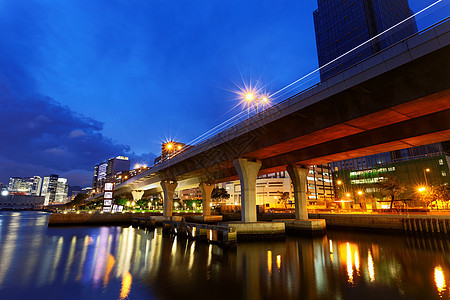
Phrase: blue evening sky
(85, 80)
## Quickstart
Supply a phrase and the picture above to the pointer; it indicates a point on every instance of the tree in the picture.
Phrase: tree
(219, 193)
(77, 201)
(391, 187)
(120, 201)
(438, 193)
(143, 202)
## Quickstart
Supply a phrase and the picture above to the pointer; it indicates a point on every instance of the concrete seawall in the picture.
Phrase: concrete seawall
(373, 221)
(74, 219)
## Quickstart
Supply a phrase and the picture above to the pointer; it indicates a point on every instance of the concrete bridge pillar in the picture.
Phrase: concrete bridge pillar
(206, 190)
(248, 171)
(137, 195)
(168, 188)
(299, 180)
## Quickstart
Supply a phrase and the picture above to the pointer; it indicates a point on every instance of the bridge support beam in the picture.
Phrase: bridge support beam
(247, 171)
(206, 190)
(299, 180)
(137, 195)
(168, 188)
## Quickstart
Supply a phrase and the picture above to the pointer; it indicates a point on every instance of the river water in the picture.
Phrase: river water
(37, 262)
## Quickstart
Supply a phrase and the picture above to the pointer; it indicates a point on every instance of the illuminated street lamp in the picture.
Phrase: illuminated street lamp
(422, 189)
(360, 192)
(425, 171)
(262, 98)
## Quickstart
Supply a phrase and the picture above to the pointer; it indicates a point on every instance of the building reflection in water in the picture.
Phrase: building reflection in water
(121, 263)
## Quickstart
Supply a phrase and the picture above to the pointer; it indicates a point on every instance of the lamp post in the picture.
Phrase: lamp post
(425, 171)
(250, 98)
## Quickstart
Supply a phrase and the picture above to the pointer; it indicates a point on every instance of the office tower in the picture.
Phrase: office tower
(49, 186)
(342, 25)
(116, 165)
(15, 184)
(62, 189)
(106, 171)
(37, 186)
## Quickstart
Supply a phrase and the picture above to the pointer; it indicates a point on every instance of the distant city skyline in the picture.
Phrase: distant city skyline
(80, 82)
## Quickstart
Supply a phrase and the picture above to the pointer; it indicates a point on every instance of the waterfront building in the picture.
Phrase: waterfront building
(190, 194)
(106, 171)
(37, 186)
(52, 185)
(342, 25)
(21, 202)
(421, 166)
(25, 185)
(62, 189)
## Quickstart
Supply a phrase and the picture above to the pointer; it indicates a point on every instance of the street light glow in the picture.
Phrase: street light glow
(348, 195)
(339, 182)
(169, 146)
(422, 189)
(136, 166)
(249, 96)
(360, 192)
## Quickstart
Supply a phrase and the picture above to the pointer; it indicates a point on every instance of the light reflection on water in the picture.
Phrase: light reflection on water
(37, 262)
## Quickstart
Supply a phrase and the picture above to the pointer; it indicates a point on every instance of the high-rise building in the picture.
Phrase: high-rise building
(115, 165)
(37, 186)
(62, 189)
(15, 184)
(49, 186)
(23, 186)
(342, 25)
(106, 171)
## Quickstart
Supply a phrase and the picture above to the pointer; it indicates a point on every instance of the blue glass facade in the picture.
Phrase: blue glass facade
(342, 25)
(382, 159)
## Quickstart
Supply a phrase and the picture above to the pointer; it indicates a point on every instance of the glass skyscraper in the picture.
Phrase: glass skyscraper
(342, 25)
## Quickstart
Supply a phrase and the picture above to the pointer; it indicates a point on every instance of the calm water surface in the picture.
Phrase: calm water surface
(37, 262)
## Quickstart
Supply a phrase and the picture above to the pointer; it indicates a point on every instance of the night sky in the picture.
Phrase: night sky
(85, 80)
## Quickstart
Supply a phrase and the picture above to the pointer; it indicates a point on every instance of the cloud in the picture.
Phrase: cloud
(40, 136)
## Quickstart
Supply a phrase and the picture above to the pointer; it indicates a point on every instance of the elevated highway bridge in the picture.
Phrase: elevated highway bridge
(396, 99)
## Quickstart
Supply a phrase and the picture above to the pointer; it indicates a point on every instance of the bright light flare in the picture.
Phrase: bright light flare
(137, 166)
(360, 192)
(249, 96)
(169, 146)
(421, 189)
(439, 279)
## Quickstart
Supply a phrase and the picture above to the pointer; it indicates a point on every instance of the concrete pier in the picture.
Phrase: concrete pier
(247, 171)
(168, 188)
(256, 230)
(310, 226)
(206, 190)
